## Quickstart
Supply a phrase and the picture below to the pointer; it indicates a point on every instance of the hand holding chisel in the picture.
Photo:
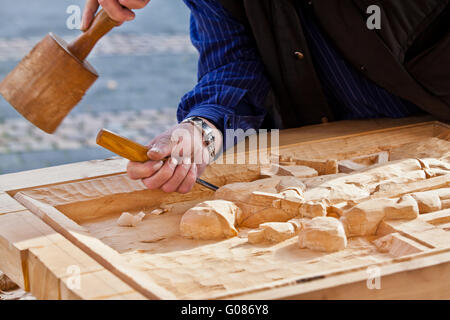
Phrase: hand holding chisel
(132, 151)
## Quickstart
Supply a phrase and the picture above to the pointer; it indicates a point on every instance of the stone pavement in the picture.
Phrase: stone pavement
(113, 45)
(23, 146)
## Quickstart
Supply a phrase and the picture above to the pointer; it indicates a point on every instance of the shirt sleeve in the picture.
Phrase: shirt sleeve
(231, 85)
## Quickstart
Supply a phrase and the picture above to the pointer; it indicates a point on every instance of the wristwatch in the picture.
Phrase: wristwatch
(207, 133)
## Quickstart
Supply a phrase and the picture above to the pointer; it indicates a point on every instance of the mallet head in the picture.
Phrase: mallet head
(54, 76)
(48, 83)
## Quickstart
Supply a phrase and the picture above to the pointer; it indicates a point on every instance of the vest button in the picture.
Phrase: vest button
(363, 68)
(324, 120)
(299, 55)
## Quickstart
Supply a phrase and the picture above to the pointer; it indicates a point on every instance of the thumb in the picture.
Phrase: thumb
(161, 147)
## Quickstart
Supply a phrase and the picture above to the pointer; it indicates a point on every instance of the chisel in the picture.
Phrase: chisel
(132, 151)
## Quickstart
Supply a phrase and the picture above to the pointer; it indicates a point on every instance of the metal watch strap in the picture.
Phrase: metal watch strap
(207, 132)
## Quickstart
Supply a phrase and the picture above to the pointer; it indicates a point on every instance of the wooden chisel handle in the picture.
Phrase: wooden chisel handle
(132, 151)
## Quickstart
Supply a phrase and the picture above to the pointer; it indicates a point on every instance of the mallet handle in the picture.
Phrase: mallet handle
(84, 44)
(131, 150)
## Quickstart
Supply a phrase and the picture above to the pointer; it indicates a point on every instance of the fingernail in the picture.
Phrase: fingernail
(155, 149)
(158, 165)
(174, 161)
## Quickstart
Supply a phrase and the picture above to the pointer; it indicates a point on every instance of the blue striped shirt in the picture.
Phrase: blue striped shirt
(350, 94)
(232, 84)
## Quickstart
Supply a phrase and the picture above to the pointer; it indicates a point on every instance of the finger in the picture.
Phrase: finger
(178, 176)
(90, 9)
(161, 147)
(137, 170)
(185, 138)
(200, 169)
(162, 176)
(193, 145)
(134, 4)
(189, 181)
(116, 11)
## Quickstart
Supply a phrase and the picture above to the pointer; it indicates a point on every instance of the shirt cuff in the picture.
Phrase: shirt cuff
(213, 113)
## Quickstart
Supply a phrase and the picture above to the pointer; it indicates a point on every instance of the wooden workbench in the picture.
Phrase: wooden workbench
(51, 230)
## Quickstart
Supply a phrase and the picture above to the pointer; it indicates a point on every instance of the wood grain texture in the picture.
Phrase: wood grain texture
(26, 88)
(362, 143)
(122, 146)
(8, 204)
(437, 217)
(38, 259)
(13, 246)
(424, 275)
(288, 138)
(419, 231)
(54, 76)
(399, 245)
(419, 185)
(102, 253)
(233, 268)
(170, 269)
(100, 26)
(264, 262)
(60, 174)
(93, 198)
(331, 130)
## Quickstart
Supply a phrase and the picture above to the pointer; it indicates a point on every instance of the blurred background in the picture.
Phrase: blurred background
(145, 67)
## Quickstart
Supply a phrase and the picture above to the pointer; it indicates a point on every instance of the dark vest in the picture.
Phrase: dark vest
(409, 56)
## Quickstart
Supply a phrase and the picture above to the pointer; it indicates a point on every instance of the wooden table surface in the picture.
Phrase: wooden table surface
(44, 262)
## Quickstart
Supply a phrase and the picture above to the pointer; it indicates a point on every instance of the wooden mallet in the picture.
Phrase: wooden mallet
(54, 76)
(132, 151)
